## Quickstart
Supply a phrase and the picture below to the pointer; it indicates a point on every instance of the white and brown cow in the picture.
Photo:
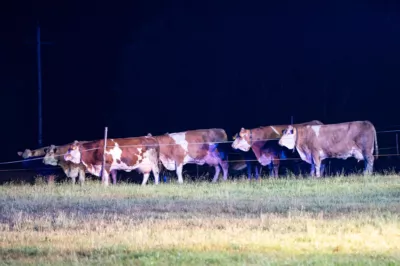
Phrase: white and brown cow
(53, 155)
(315, 143)
(193, 146)
(257, 138)
(127, 154)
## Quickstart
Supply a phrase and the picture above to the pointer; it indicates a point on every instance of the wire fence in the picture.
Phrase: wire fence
(174, 144)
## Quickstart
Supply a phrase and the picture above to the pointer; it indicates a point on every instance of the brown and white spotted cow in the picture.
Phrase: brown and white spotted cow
(315, 143)
(53, 155)
(193, 146)
(127, 154)
(257, 138)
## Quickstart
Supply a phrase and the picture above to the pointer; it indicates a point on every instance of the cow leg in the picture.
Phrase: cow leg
(179, 169)
(114, 176)
(156, 173)
(73, 179)
(276, 167)
(248, 170)
(224, 166)
(145, 178)
(369, 164)
(312, 173)
(256, 172)
(216, 175)
(317, 163)
(322, 168)
(81, 176)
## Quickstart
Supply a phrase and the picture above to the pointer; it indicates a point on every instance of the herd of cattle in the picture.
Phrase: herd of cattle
(313, 140)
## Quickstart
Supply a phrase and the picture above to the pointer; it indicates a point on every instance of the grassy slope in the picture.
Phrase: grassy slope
(352, 220)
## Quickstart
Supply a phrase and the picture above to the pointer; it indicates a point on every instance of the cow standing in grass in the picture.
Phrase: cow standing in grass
(193, 146)
(258, 140)
(127, 154)
(318, 142)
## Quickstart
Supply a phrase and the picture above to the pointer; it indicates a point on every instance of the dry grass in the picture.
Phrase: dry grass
(345, 220)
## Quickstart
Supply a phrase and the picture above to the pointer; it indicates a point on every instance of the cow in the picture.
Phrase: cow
(193, 146)
(139, 153)
(53, 155)
(315, 143)
(257, 138)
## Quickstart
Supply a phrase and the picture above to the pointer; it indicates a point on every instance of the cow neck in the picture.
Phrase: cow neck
(256, 146)
(296, 139)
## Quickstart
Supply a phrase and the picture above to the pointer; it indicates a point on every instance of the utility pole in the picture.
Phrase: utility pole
(39, 70)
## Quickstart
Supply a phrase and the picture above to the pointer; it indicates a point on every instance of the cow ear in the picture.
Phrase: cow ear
(20, 153)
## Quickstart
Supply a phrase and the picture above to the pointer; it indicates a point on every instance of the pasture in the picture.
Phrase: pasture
(337, 220)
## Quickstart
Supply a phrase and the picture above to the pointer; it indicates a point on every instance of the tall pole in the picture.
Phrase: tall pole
(39, 69)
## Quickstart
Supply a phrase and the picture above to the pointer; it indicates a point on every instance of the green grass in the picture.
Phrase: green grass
(342, 220)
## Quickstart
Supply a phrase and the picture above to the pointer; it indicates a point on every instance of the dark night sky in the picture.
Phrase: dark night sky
(162, 67)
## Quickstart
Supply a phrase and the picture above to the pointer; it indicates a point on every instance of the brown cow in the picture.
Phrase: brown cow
(194, 146)
(257, 138)
(315, 143)
(140, 153)
(53, 155)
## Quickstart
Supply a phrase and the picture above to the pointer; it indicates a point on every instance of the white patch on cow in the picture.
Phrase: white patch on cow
(316, 129)
(241, 144)
(115, 152)
(288, 141)
(180, 139)
(276, 131)
(265, 160)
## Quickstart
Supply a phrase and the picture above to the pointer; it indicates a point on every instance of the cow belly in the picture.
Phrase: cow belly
(354, 152)
(168, 163)
(189, 159)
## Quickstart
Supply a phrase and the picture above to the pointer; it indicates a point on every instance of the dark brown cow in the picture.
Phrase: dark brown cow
(194, 146)
(256, 139)
(315, 143)
(140, 153)
(53, 155)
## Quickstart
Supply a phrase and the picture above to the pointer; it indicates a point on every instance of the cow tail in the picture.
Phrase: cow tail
(376, 145)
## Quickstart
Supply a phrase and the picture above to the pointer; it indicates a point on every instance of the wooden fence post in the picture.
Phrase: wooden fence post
(105, 182)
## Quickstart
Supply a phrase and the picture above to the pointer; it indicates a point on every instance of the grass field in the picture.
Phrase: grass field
(342, 220)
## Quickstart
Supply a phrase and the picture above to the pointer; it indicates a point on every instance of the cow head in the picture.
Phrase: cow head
(26, 154)
(288, 138)
(73, 154)
(51, 157)
(242, 140)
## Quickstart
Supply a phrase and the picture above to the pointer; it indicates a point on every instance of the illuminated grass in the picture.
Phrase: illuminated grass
(351, 220)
